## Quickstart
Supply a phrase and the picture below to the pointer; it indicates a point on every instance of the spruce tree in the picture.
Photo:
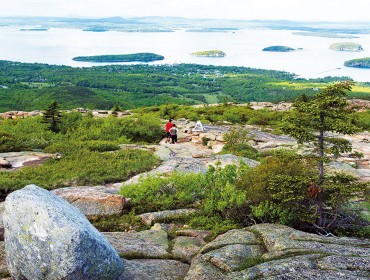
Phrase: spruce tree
(314, 121)
(52, 116)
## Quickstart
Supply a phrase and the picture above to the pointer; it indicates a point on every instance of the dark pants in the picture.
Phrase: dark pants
(174, 138)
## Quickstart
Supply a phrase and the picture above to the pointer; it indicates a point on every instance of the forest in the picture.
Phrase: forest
(32, 86)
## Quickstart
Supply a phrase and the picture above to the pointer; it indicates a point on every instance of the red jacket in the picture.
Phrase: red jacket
(168, 126)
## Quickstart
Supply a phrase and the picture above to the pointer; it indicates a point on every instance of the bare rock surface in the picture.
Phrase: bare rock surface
(272, 251)
(93, 201)
(145, 244)
(141, 269)
(186, 247)
(18, 159)
(47, 238)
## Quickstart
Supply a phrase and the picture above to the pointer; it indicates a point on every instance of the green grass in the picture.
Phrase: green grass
(79, 169)
(211, 99)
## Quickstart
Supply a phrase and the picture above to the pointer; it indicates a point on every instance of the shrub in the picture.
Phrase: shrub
(173, 192)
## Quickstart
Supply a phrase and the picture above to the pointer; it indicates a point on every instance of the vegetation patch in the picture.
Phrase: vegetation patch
(358, 62)
(140, 57)
(278, 49)
(213, 53)
(346, 46)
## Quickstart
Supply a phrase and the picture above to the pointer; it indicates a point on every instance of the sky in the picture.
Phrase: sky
(300, 10)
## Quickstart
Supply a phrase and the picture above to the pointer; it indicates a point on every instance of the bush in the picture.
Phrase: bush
(176, 191)
(237, 144)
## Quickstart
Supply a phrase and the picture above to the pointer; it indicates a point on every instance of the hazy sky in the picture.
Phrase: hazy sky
(328, 10)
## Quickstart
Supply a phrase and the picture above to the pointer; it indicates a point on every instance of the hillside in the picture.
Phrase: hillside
(27, 86)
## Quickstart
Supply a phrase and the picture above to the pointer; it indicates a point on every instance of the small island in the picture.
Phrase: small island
(139, 57)
(346, 46)
(213, 53)
(358, 63)
(96, 29)
(34, 29)
(278, 49)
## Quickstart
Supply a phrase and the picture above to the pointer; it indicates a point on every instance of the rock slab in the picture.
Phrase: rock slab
(92, 201)
(47, 238)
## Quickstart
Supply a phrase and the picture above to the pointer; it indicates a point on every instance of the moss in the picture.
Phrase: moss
(119, 223)
(250, 262)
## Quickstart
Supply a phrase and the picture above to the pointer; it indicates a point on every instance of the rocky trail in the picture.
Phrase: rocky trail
(264, 251)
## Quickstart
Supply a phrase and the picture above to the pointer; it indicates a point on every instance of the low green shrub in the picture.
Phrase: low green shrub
(164, 193)
(81, 168)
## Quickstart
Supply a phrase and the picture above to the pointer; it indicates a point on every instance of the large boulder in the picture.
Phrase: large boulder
(47, 238)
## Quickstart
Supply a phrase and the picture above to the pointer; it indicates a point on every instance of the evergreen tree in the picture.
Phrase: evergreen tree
(52, 116)
(314, 121)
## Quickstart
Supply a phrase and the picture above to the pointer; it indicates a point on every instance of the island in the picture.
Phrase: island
(325, 34)
(278, 49)
(212, 53)
(213, 29)
(346, 46)
(96, 29)
(358, 62)
(139, 57)
(34, 29)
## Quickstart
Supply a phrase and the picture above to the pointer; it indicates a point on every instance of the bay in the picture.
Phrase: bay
(242, 47)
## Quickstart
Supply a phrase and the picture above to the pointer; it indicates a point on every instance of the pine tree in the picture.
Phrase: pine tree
(314, 121)
(52, 116)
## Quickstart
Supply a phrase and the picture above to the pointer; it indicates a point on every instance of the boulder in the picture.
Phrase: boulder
(93, 202)
(47, 238)
(151, 218)
(166, 227)
(5, 163)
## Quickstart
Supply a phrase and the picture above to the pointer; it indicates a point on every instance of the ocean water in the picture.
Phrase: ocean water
(242, 48)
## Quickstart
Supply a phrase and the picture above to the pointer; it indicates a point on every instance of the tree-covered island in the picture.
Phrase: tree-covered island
(358, 63)
(278, 49)
(212, 53)
(346, 46)
(140, 57)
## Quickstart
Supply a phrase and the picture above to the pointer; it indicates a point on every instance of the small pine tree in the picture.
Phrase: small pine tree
(311, 122)
(52, 116)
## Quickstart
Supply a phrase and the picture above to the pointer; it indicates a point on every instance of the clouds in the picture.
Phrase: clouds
(330, 10)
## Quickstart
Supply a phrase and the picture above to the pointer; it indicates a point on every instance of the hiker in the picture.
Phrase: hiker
(173, 132)
(168, 127)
